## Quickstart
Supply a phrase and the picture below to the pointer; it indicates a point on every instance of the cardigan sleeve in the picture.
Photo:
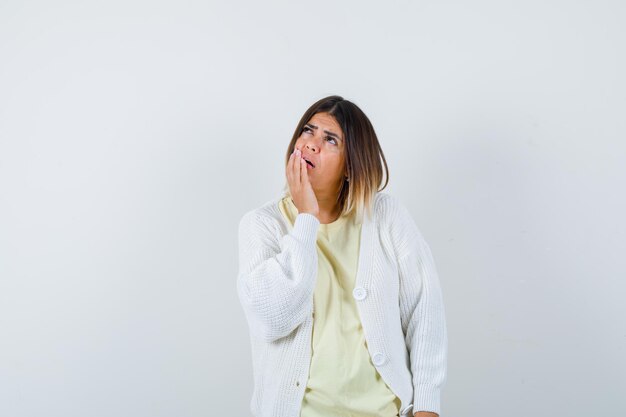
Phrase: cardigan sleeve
(276, 278)
(421, 312)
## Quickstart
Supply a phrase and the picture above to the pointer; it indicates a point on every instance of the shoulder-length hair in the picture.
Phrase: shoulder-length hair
(363, 155)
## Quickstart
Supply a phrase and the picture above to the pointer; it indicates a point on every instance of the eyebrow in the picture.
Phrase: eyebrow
(325, 131)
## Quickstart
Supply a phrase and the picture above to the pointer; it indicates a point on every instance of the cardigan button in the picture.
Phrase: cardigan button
(379, 358)
(359, 293)
(406, 409)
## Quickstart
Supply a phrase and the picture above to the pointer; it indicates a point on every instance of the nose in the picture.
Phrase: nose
(311, 144)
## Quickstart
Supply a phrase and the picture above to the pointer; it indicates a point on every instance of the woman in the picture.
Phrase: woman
(338, 286)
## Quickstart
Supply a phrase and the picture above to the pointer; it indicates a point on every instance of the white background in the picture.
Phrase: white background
(135, 134)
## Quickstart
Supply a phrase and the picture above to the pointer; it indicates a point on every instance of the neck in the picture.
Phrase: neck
(328, 214)
(329, 209)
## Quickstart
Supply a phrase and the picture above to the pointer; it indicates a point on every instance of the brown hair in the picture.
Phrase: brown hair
(364, 156)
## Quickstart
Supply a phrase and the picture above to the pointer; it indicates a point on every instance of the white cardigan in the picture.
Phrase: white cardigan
(397, 292)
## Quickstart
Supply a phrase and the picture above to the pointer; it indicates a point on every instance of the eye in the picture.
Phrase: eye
(307, 129)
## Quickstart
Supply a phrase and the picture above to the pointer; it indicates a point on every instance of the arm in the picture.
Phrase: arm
(276, 276)
(422, 314)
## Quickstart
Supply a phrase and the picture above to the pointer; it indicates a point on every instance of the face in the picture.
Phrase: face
(321, 142)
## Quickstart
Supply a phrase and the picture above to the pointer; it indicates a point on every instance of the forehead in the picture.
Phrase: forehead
(326, 122)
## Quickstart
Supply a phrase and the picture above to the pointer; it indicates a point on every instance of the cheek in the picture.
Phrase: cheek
(334, 161)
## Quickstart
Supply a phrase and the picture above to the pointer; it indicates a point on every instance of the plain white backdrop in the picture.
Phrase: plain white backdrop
(135, 134)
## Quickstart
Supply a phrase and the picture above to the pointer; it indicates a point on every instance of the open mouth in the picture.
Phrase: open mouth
(310, 163)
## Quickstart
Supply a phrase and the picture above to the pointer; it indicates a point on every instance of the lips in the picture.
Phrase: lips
(309, 162)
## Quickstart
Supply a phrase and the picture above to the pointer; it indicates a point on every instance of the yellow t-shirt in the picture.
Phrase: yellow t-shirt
(342, 378)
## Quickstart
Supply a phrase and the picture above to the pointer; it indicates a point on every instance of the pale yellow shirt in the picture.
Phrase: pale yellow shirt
(343, 381)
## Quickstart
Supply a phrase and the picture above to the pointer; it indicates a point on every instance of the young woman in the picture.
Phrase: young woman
(338, 286)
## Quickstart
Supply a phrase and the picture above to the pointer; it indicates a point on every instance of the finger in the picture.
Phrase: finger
(293, 165)
(289, 169)
(296, 168)
(304, 175)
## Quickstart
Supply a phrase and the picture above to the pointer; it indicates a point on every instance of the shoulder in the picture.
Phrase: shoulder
(396, 219)
(267, 215)
(388, 207)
